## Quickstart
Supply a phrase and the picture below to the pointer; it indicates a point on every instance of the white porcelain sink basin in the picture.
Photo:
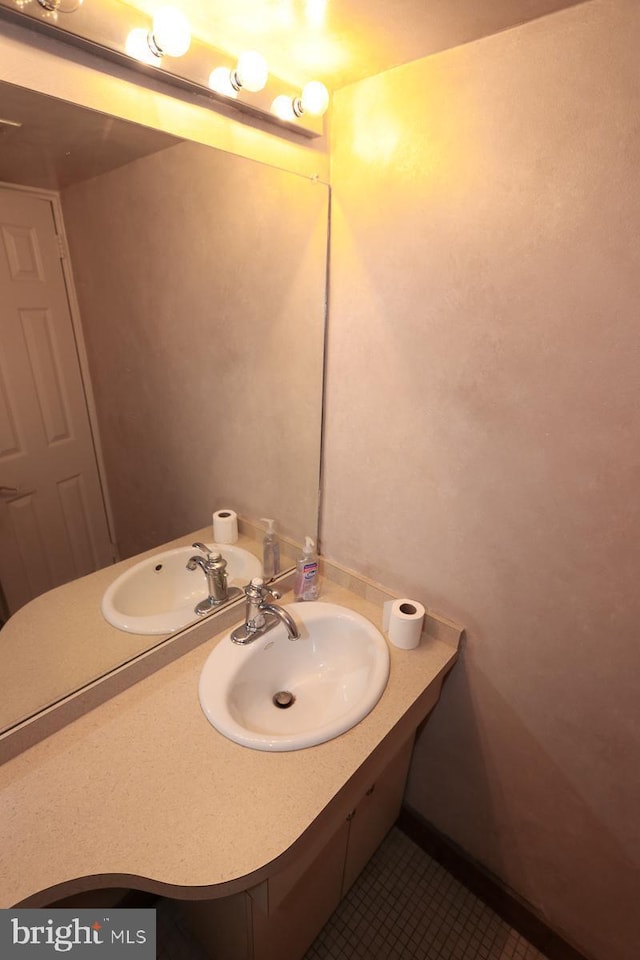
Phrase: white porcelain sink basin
(331, 677)
(158, 595)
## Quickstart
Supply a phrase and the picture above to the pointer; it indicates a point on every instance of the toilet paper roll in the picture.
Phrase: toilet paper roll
(225, 526)
(406, 618)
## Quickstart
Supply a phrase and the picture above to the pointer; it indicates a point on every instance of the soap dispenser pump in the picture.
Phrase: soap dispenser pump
(307, 582)
(270, 551)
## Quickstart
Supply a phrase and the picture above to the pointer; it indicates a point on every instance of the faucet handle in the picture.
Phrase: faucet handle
(205, 550)
(203, 547)
(259, 590)
(217, 562)
(256, 590)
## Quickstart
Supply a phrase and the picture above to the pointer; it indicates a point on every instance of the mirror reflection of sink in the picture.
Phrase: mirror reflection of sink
(279, 694)
(158, 595)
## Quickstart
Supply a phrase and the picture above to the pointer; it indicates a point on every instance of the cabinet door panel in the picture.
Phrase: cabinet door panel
(289, 931)
(222, 927)
(375, 814)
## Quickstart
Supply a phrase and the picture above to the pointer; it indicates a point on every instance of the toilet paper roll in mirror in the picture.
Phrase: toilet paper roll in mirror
(225, 526)
(406, 618)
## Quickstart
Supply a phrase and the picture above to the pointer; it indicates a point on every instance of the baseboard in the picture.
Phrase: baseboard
(488, 888)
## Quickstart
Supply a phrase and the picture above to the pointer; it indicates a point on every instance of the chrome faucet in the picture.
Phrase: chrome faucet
(261, 615)
(214, 567)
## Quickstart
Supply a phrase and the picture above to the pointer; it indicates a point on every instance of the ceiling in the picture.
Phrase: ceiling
(342, 41)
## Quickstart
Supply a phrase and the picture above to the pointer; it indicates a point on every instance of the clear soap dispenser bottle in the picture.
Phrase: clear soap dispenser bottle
(307, 582)
(270, 551)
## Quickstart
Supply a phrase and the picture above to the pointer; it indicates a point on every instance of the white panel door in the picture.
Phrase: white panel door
(53, 524)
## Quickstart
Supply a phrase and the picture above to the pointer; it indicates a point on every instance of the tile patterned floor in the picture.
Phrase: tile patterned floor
(404, 906)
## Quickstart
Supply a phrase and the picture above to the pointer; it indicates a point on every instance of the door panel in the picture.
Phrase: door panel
(37, 328)
(54, 527)
(9, 439)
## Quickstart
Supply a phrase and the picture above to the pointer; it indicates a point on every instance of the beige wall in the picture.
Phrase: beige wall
(201, 284)
(482, 435)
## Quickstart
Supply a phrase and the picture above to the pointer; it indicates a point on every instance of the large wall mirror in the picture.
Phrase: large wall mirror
(199, 286)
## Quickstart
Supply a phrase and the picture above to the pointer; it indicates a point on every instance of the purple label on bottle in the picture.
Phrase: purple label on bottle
(309, 570)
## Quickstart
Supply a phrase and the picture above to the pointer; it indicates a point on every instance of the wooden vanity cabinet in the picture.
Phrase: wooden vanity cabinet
(281, 917)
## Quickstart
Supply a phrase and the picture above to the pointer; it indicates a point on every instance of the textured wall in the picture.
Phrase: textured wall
(482, 435)
(201, 283)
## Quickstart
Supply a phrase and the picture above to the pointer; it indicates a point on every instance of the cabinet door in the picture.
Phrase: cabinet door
(222, 927)
(289, 931)
(375, 814)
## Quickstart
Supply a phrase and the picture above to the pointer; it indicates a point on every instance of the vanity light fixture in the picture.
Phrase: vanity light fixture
(137, 46)
(220, 81)
(316, 13)
(170, 34)
(314, 100)
(124, 34)
(60, 6)
(251, 73)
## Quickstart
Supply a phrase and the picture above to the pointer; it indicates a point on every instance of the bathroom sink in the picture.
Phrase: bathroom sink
(280, 694)
(158, 595)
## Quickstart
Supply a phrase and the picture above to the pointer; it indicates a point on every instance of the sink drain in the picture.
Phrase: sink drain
(283, 699)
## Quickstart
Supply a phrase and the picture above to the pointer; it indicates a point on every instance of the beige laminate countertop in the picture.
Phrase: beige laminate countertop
(143, 792)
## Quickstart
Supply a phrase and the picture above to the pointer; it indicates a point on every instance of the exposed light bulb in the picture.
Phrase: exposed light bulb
(314, 99)
(58, 6)
(316, 12)
(137, 46)
(170, 34)
(220, 81)
(251, 72)
(282, 108)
